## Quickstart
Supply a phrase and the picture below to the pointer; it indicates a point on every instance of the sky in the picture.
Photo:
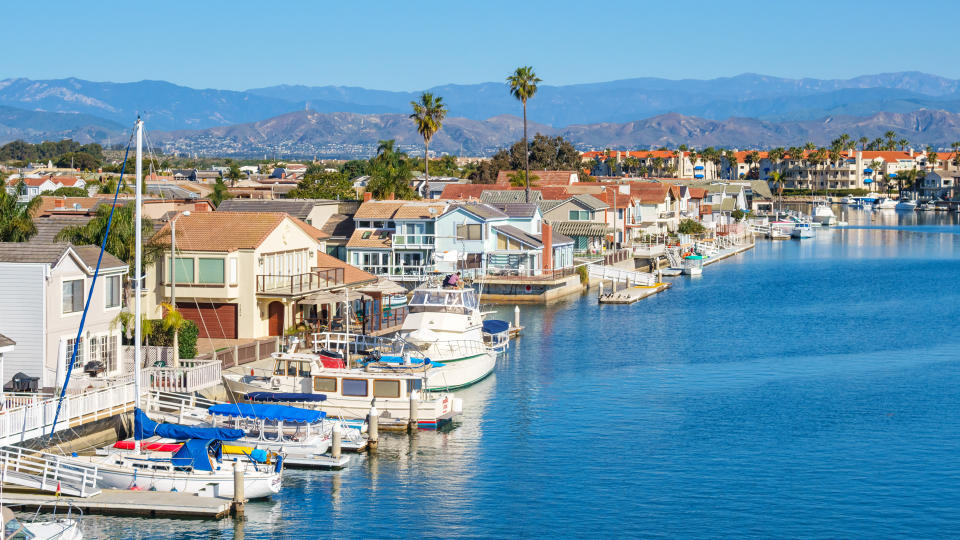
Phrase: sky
(415, 45)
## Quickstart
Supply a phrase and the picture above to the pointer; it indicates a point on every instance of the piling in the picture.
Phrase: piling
(373, 425)
(335, 445)
(238, 499)
(415, 408)
(516, 316)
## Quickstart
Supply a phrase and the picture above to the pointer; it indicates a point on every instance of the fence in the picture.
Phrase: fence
(617, 256)
(191, 376)
(245, 353)
(150, 355)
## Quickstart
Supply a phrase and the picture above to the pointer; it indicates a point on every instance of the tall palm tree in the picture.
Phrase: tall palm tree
(428, 115)
(775, 156)
(523, 86)
(16, 218)
(903, 144)
(750, 159)
(776, 177)
(931, 158)
(891, 137)
(956, 153)
(863, 143)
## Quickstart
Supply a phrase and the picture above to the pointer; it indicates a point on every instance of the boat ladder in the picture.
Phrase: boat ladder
(47, 472)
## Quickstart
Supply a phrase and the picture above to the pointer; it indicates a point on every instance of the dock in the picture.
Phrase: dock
(729, 252)
(120, 502)
(632, 294)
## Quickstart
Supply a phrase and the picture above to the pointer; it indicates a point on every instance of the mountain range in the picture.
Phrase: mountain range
(745, 110)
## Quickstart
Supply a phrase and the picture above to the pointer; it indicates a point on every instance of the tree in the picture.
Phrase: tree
(956, 153)
(110, 186)
(220, 192)
(68, 191)
(931, 158)
(234, 174)
(173, 321)
(519, 179)
(428, 115)
(776, 156)
(776, 178)
(523, 86)
(390, 173)
(690, 226)
(863, 143)
(323, 185)
(891, 140)
(16, 218)
(874, 166)
(78, 160)
(750, 159)
(354, 168)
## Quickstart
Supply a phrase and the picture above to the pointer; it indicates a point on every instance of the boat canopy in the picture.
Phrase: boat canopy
(494, 326)
(284, 396)
(144, 427)
(196, 453)
(261, 411)
(444, 298)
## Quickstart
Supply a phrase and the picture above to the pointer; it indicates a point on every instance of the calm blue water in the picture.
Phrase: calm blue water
(802, 389)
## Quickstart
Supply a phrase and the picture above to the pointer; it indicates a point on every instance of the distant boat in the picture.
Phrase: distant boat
(823, 214)
(802, 230)
(885, 203)
(908, 205)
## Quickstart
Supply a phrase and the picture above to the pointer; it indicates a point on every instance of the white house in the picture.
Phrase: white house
(49, 285)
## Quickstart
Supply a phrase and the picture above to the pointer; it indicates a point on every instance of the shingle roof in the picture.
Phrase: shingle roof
(519, 210)
(298, 208)
(591, 202)
(559, 239)
(481, 210)
(498, 196)
(581, 228)
(400, 210)
(541, 178)
(351, 274)
(339, 226)
(370, 238)
(38, 253)
(475, 191)
(761, 189)
(49, 227)
(6, 342)
(227, 231)
(546, 206)
(519, 234)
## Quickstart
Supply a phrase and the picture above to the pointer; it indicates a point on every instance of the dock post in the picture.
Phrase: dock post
(415, 408)
(335, 445)
(516, 317)
(373, 428)
(238, 499)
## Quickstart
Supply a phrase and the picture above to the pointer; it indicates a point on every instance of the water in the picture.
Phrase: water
(804, 388)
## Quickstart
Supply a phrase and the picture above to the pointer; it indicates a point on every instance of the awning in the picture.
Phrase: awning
(384, 286)
(322, 298)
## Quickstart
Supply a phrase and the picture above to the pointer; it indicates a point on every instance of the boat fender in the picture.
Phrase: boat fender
(279, 466)
(275, 381)
(251, 372)
(457, 405)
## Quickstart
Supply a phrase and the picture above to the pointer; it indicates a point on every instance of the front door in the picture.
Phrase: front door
(275, 312)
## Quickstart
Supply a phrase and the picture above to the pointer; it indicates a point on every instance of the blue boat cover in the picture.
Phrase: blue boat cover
(284, 413)
(493, 326)
(196, 453)
(284, 396)
(144, 427)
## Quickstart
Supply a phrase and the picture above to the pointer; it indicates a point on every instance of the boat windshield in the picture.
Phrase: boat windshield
(444, 299)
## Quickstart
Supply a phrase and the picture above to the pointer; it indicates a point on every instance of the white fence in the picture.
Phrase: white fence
(611, 273)
(47, 472)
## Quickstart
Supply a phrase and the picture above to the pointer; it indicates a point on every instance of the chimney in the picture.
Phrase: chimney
(59, 203)
(200, 207)
(546, 234)
(911, 151)
(367, 196)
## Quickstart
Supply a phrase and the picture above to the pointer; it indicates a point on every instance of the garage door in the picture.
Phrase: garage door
(213, 320)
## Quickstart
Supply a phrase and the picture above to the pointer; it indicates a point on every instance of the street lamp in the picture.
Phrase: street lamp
(173, 258)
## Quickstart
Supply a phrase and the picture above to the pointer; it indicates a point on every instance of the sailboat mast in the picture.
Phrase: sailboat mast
(138, 270)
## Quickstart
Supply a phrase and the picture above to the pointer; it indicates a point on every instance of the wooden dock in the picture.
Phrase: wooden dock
(119, 502)
(729, 253)
(632, 294)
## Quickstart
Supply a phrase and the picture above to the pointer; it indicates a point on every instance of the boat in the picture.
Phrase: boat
(445, 325)
(496, 334)
(48, 529)
(885, 203)
(823, 214)
(908, 205)
(777, 233)
(347, 393)
(693, 265)
(802, 230)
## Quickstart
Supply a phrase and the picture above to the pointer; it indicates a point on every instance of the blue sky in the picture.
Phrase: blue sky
(415, 45)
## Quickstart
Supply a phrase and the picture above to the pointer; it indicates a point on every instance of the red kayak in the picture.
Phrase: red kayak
(151, 447)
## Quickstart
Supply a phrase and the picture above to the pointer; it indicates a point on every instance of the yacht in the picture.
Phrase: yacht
(906, 205)
(802, 230)
(445, 325)
(823, 214)
(55, 528)
(885, 203)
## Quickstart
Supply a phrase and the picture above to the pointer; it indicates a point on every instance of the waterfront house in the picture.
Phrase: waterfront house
(509, 193)
(395, 238)
(581, 218)
(7, 346)
(49, 284)
(652, 212)
(940, 183)
(464, 235)
(240, 275)
(34, 186)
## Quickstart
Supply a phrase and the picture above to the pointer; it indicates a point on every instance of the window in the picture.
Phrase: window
(579, 215)
(304, 369)
(324, 384)
(184, 270)
(470, 232)
(281, 368)
(78, 361)
(619, 213)
(73, 296)
(211, 270)
(111, 353)
(233, 270)
(113, 291)
(354, 387)
(386, 389)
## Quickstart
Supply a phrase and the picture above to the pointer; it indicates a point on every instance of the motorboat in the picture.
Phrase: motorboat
(777, 233)
(693, 265)
(386, 381)
(802, 230)
(907, 205)
(823, 214)
(885, 203)
(197, 466)
(46, 529)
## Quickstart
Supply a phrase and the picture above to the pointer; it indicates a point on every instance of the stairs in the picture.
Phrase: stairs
(46, 472)
(631, 277)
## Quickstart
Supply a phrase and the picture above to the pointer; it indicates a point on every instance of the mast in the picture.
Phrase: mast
(138, 272)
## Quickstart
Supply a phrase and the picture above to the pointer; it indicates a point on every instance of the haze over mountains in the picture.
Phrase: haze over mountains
(746, 110)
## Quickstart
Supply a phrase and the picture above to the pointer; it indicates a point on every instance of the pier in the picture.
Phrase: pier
(121, 502)
(632, 294)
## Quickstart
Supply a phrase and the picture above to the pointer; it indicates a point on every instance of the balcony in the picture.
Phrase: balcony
(300, 284)
(415, 241)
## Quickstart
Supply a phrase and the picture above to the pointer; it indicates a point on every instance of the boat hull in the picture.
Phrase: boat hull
(256, 485)
(459, 373)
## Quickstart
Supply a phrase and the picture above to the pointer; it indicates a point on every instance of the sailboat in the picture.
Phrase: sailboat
(198, 465)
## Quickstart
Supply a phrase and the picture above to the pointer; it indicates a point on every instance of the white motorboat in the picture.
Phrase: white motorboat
(48, 529)
(885, 203)
(445, 325)
(802, 230)
(823, 214)
(348, 393)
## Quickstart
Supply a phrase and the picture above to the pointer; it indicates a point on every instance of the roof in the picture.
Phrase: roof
(581, 228)
(640, 154)
(298, 208)
(227, 231)
(518, 210)
(509, 196)
(697, 192)
(400, 210)
(546, 206)
(48, 204)
(518, 234)
(649, 192)
(761, 189)
(339, 226)
(541, 178)
(49, 227)
(590, 201)
(6, 342)
(475, 191)
(370, 238)
(559, 239)
(51, 253)
(481, 210)
(351, 274)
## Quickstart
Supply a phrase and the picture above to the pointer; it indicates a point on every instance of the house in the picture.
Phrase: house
(34, 186)
(6, 347)
(581, 218)
(242, 275)
(514, 194)
(437, 185)
(395, 238)
(185, 175)
(50, 286)
(940, 183)
(464, 235)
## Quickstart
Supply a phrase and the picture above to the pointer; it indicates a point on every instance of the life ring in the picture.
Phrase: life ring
(527, 288)
(275, 382)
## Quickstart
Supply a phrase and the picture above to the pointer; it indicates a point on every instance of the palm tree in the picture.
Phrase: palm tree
(931, 158)
(863, 143)
(428, 115)
(776, 156)
(874, 166)
(523, 86)
(956, 153)
(776, 177)
(220, 192)
(732, 162)
(390, 172)
(891, 137)
(16, 218)
(173, 320)
(903, 144)
(519, 179)
(234, 174)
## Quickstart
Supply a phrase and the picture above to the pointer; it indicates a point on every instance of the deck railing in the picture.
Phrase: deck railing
(318, 279)
(191, 376)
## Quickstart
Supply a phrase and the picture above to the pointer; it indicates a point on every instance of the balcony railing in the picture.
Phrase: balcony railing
(319, 279)
(412, 240)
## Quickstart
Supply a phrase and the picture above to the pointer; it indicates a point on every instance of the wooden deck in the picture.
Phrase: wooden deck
(633, 294)
(116, 502)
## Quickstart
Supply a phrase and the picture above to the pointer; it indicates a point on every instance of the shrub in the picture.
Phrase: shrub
(584, 276)
(690, 226)
(738, 214)
(188, 340)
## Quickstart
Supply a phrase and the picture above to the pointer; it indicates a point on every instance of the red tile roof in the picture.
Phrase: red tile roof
(228, 231)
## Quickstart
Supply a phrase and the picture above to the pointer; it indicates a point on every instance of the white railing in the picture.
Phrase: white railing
(17, 399)
(191, 376)
(614, 274)
(403, 240)
(648, 250)
(47, 472)
(33, 420)
(340, 341)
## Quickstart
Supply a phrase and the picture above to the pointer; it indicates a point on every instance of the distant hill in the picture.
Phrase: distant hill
(33, 126)
(308, 133)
